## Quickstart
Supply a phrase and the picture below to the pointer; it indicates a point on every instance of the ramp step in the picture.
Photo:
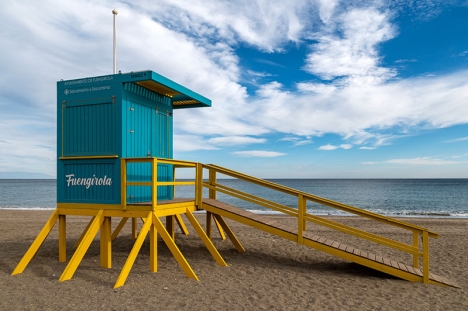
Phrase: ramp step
(327, 245)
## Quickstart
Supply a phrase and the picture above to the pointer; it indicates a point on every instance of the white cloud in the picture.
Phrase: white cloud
(333, 147)
(263, 24)
(351, 49)
(457, 140)
(421, 161)
(259, 154)
(235, 140)
(297, 141)
(364, 114)
(328, 147)
(406, 61)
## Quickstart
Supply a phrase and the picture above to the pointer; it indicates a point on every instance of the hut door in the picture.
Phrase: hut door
(139, 130)
(139, 144)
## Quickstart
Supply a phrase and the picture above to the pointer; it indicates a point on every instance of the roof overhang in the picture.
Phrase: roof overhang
(181, 96)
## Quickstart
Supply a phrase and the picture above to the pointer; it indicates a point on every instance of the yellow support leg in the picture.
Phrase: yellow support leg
(70, 269)
(173, 248)
(170, 226)
(220, 229)
(180, 223)
(134, 228)
(84, 232)
(62, 238)
(208, 224)
(209, 245)
(36, 244)
(106, 243)
(153, 249)
(230, 234)
(133, 253)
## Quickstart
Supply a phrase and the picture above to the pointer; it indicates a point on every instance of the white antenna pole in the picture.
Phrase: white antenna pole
(114, 11)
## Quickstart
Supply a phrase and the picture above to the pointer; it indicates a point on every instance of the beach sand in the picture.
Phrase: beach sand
(273, 273)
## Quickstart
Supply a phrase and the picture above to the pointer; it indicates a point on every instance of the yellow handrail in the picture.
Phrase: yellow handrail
(303, 216)
(154, 183)
(320, 200)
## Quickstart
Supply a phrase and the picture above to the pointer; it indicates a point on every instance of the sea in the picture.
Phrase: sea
(447, 198)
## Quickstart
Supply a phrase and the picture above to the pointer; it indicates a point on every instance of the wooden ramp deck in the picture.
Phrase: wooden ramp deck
(335, 248)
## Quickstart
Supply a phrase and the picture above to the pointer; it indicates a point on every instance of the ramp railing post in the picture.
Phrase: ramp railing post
(300, 217)
(416, 245)
(212, 177)
(425, 242)
(198, 185)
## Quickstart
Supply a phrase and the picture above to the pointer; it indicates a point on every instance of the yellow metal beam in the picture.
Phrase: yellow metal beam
(134, 252)
(153, 249)
(82, 248)
(230, 233)
(209, 245)
(173, 248)
(181, 224)
(170, 226)
(220, 229)
(134, 228)
(208, 224)
(300, 218)
(252, 223)
(106, 243)
(363, 234)
(62, 238)
(32, 250)
(84, 232)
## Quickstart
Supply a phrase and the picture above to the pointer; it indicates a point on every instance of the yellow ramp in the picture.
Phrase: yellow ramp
(335, 248)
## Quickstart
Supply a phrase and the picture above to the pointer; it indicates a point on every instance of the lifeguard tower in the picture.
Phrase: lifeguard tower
(114, 159)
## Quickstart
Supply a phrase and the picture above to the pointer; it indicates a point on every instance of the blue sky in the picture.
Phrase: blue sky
(300, 89)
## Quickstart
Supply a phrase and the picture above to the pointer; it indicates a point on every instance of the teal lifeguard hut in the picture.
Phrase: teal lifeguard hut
(101, 120)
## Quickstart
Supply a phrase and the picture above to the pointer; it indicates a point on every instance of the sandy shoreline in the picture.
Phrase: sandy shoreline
(273, 274)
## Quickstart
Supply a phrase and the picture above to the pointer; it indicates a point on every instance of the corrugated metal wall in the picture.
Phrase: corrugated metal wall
(89, 128)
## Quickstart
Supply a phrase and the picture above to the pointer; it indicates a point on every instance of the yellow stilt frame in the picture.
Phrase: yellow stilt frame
(230, 233)
(101, 221)
(70, 269)
(134, 252)
(209, 217)
(36, 244)
(209, 245)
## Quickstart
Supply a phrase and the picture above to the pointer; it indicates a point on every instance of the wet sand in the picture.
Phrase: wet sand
(273, 274)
